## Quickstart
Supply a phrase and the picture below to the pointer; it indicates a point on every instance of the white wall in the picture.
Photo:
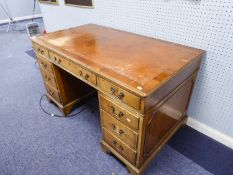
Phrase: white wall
(204, 24)
(18, 8)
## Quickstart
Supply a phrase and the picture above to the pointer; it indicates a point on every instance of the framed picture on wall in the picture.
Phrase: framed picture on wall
(80, 3)
(49, 1)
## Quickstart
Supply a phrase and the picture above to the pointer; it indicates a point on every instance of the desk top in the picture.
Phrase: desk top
(139, 62)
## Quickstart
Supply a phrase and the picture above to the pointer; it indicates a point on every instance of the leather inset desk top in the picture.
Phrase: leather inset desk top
(139, 62)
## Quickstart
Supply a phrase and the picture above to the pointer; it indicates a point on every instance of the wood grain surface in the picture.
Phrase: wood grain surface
(137, 62)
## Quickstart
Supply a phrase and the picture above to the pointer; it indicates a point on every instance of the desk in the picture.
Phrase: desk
(143, 84)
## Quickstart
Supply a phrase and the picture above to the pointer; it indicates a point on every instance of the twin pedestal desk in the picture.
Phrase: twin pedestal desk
(144, 85)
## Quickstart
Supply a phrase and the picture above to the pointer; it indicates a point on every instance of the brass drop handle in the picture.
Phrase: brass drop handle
(121, 131)
(121, 95)
(121, 148)
(113, 126)
(121, 114)
(80, 72)
(55, 58)
(113, 109)
(59, 61)
(86, 76)
(113, 90)
(43, 64)
(46, 77)
(51, 92)
(41, 51)
(114, 142)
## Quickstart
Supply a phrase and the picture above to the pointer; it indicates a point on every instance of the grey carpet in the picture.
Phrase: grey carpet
(33, 143)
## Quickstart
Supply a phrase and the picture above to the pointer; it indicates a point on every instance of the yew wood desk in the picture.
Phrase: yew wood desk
(144, 85)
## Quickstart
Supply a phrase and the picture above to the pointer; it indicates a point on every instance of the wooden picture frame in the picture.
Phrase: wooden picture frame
(49, 1)
(80, 3)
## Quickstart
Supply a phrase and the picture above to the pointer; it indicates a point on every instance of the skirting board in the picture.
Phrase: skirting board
(3, 21)
(210, 132)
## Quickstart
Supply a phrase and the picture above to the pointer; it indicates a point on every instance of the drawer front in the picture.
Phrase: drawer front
(80, 72)
(118, 112)
(119, 93)
(52, 92)
(41, 51)
(119, 146)
(84, 74)
(119, 130)
(48, 77)
(45, 65)
(59, 60)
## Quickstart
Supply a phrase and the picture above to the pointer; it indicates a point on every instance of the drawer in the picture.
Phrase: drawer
(52, 92)
(59, 60)
(119, 130)
(119, 146)
(119, 93)
(118, 112)
(74, 68)
(48, 77)
(83, 74)
(41, 51)
(45, 65)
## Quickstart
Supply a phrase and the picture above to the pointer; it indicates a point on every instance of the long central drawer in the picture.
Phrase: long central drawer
(77, 70)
